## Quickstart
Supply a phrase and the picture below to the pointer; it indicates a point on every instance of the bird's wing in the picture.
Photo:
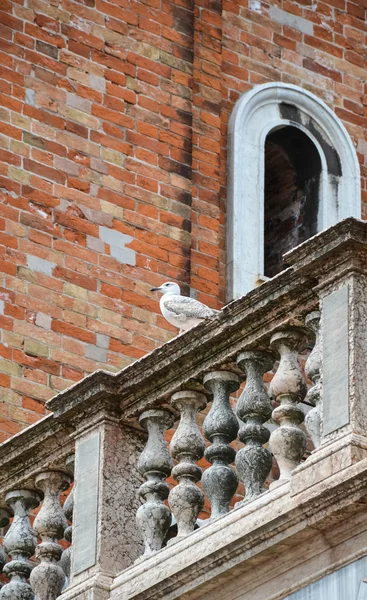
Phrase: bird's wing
(188, 308)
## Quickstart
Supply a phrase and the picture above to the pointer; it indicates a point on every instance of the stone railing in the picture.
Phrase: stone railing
(114, 425)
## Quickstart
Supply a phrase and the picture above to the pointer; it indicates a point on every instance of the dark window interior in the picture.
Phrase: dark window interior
(292, 181)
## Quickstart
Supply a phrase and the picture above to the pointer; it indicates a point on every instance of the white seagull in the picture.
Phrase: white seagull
(181, 311)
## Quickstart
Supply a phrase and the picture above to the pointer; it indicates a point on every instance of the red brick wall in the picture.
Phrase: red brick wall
(113, 120)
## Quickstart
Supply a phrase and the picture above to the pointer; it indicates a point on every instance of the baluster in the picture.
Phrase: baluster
(220, 427)
(155, 464)
(312, 370)
(68, 512)
(288, 386)
(47, 579)
(19, 544)
(4, 521)
(187, 446)
(254, 462)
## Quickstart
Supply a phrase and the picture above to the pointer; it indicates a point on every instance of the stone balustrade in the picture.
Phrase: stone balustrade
(52, 567)
(43, 578)
(132, 489)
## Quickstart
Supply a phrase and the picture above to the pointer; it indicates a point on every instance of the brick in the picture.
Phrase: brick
(112, 152)
(34, 348)
(72, 331)
(37, 362)
(74, 222)
(10, 368)
(33, 405)
(77, 279)
(43, 171)
(32, 389)
(4, 380)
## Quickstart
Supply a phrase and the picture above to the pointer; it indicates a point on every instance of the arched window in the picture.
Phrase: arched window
(293, 171)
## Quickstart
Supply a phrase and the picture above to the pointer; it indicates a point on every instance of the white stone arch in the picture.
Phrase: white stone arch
(257, 113)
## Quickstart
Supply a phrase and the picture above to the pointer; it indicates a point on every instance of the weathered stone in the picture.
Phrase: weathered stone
(312, 370)
(96, 353)
(291, 20)
(254, 462)
(87, 503)
(103, 341)
(19, 544)
(4, 521)
(155, 464)
(113, 480)
(47, 579)
(43, 320)
(187, 446)
(335, 368)
(220, 427)
(68, 512)
(118, 245)
(40, 265)
(288, 386)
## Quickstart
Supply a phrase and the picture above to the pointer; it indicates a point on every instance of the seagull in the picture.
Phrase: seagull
(181, 311)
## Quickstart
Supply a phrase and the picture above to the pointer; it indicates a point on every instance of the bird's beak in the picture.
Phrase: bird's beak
(158, 289)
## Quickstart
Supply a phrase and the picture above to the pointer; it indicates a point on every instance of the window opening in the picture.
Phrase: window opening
(291, 194)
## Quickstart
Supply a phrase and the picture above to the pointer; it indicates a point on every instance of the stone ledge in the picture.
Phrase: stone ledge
(46, 444)
(327, 460)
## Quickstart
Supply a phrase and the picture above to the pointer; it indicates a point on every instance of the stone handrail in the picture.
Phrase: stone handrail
(103, 419)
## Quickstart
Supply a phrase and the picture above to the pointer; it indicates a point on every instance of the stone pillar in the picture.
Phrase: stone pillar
(47, 578)
(4, 521)
(155, 464)
(312, 370)
(344, 363)
(187, 447)
(105, 537)
(254, 462)
(220, 427)
(288, 387)
(19, 544)
(68, 509)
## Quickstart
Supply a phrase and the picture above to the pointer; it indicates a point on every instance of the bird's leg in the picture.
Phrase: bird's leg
(181, 331)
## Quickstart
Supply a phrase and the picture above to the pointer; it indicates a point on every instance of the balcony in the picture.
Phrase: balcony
(309, 522)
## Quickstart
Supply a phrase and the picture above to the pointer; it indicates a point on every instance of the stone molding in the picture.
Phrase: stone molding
(255, 115)
(46, 443)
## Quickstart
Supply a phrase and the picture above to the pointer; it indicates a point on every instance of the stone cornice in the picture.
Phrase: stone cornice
(328, 249)
(46, 444)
